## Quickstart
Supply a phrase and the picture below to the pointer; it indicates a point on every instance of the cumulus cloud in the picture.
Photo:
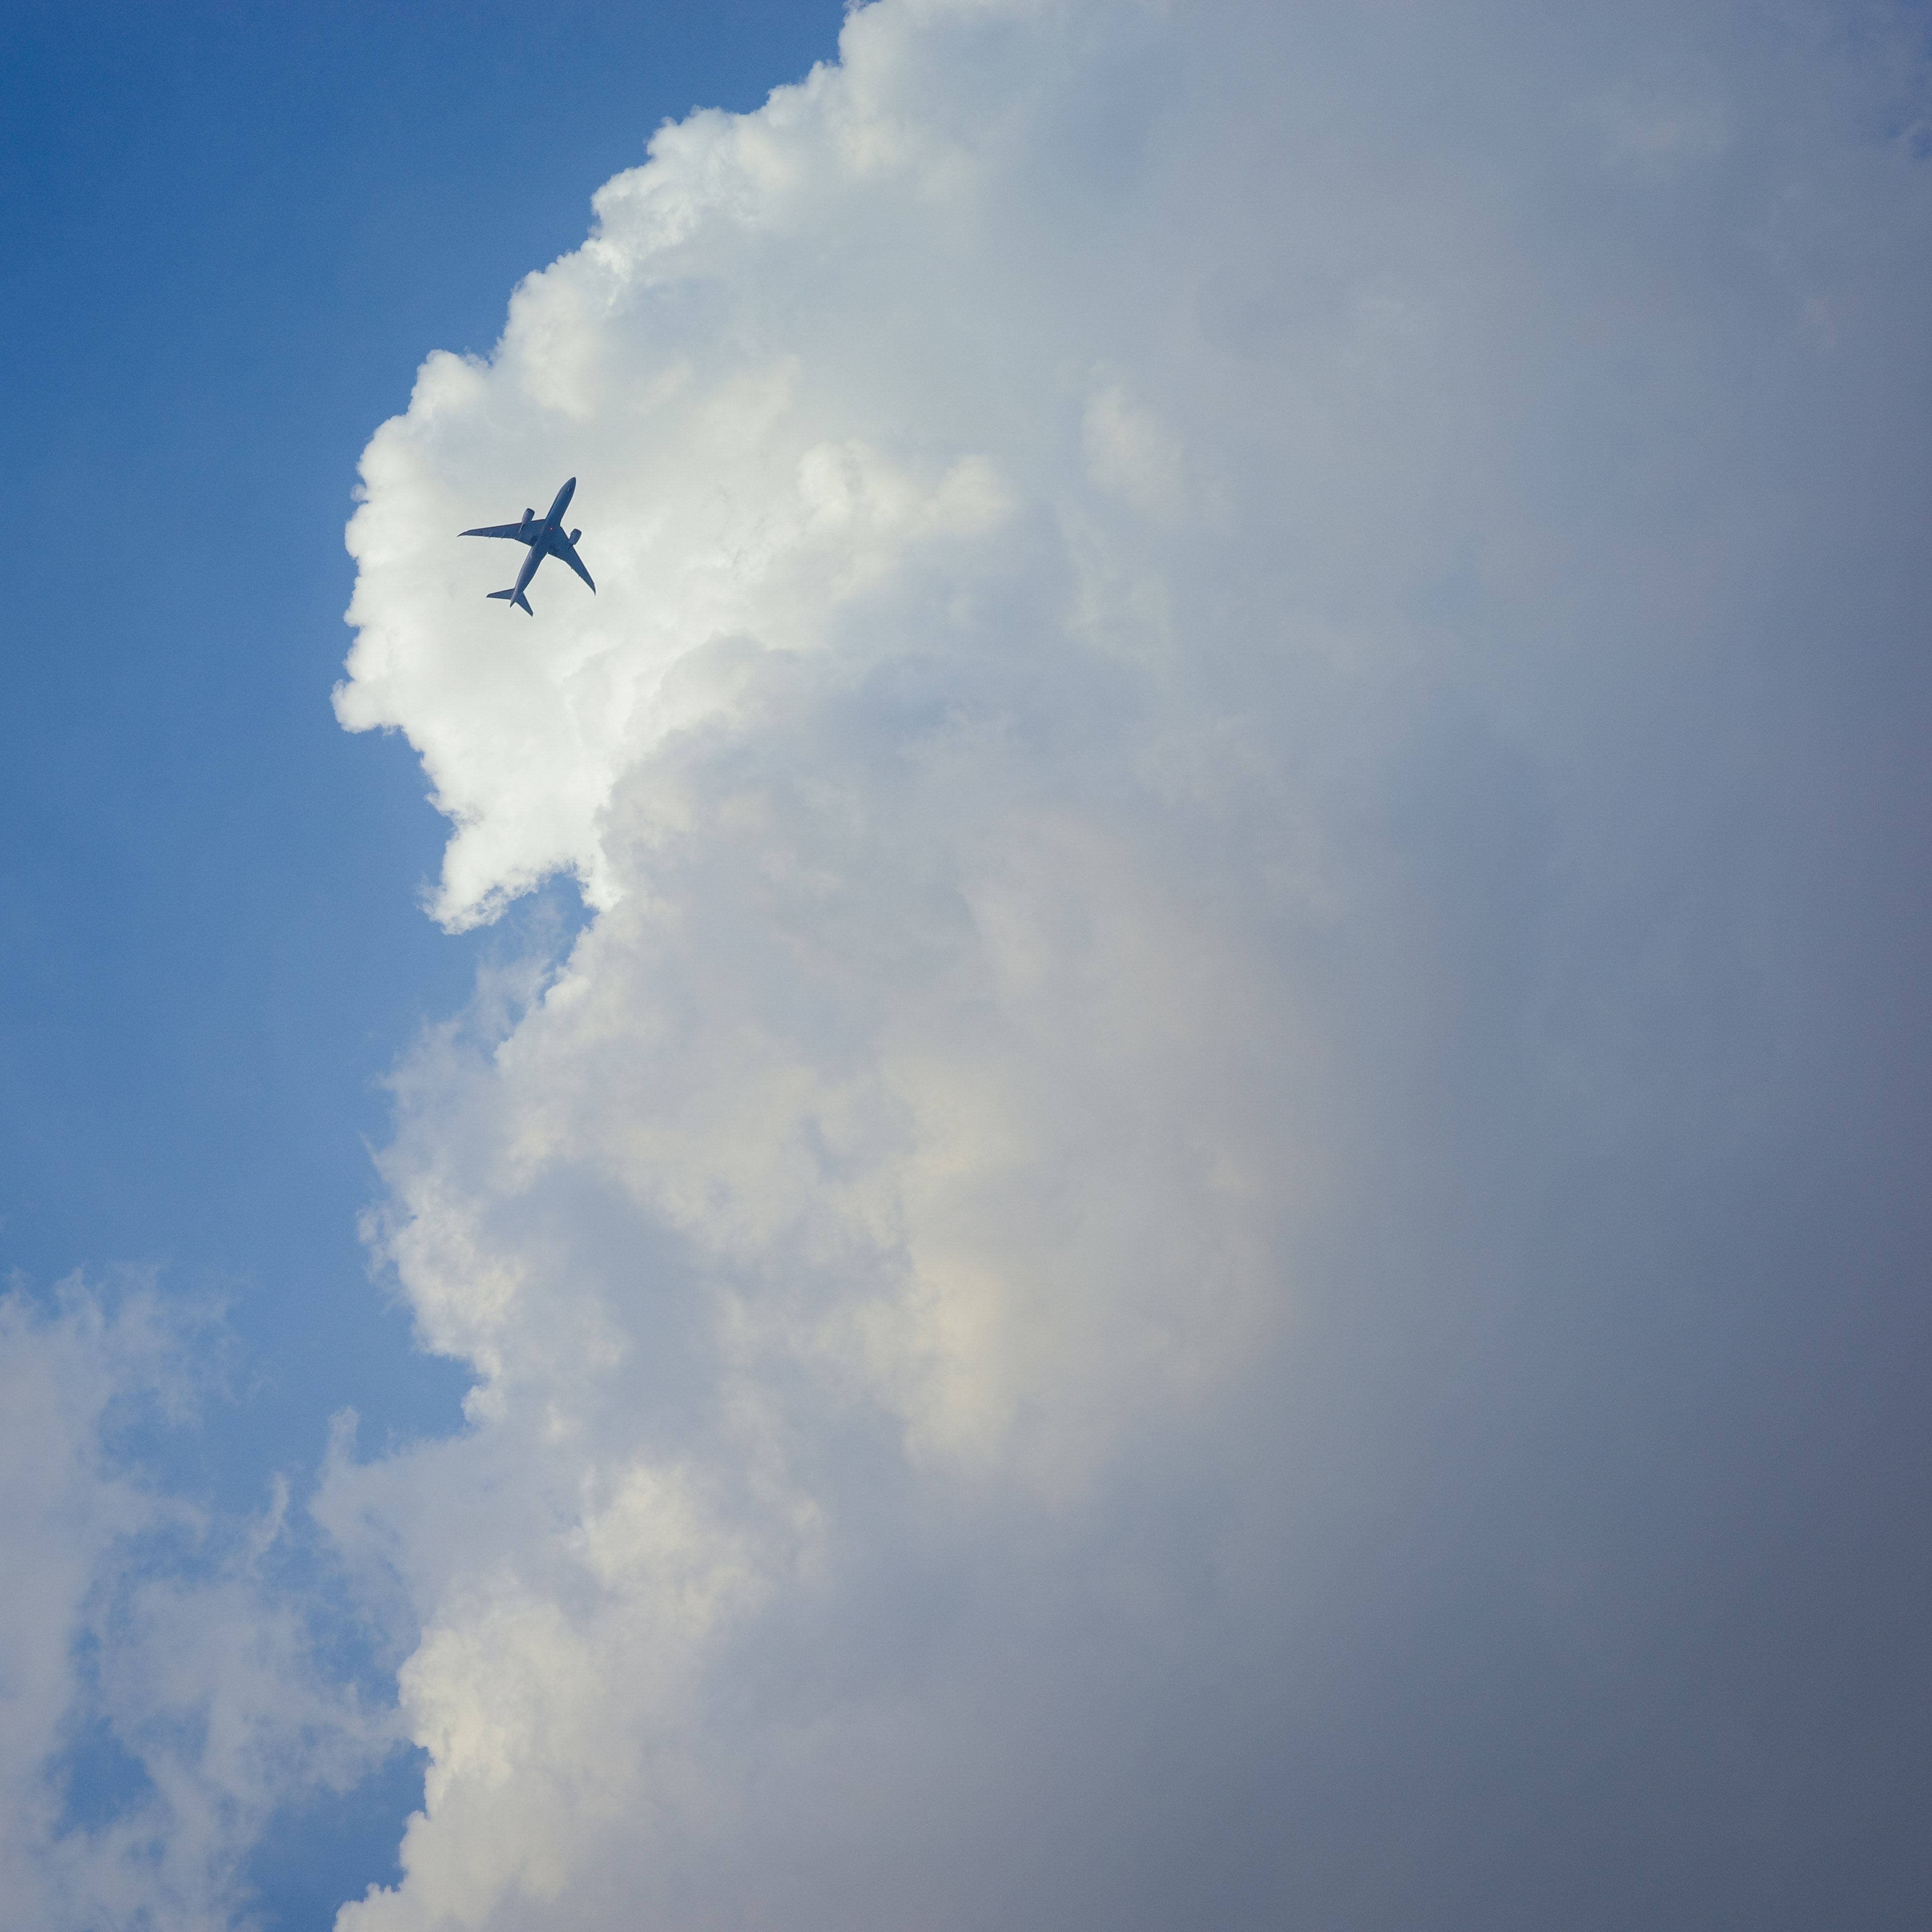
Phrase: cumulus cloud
(1217, 1224)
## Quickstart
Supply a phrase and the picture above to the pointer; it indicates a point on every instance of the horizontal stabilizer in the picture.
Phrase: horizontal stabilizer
(515, 596)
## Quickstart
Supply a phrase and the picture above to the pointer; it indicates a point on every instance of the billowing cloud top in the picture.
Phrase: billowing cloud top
(1212, 1229)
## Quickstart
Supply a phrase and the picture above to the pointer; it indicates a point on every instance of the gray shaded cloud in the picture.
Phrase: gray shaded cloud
(1221, 1221)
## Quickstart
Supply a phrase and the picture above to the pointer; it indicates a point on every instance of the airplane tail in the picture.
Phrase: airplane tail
(515, 596)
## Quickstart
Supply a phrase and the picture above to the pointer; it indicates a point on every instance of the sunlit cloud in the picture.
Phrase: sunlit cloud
(1246, 772)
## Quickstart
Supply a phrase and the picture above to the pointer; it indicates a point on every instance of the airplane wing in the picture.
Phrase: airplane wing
(498, 530)
(560, 545)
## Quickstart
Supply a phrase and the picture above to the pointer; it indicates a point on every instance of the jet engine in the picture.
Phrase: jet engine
(528, 514)
(575, 534)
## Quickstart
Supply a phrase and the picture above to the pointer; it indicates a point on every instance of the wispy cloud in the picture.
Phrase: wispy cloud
(166, 1669)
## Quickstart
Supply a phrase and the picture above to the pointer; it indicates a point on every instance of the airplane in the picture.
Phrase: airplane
(546, 537)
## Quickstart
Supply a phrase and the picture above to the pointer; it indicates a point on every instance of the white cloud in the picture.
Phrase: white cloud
(159, 1687)
(60, 1517)
(1230, 656)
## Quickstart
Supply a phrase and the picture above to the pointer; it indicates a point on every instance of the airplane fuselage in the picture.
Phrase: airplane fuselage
(540, 537)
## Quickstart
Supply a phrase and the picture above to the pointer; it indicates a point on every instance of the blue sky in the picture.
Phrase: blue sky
(1144, 1145)
(232, 234)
